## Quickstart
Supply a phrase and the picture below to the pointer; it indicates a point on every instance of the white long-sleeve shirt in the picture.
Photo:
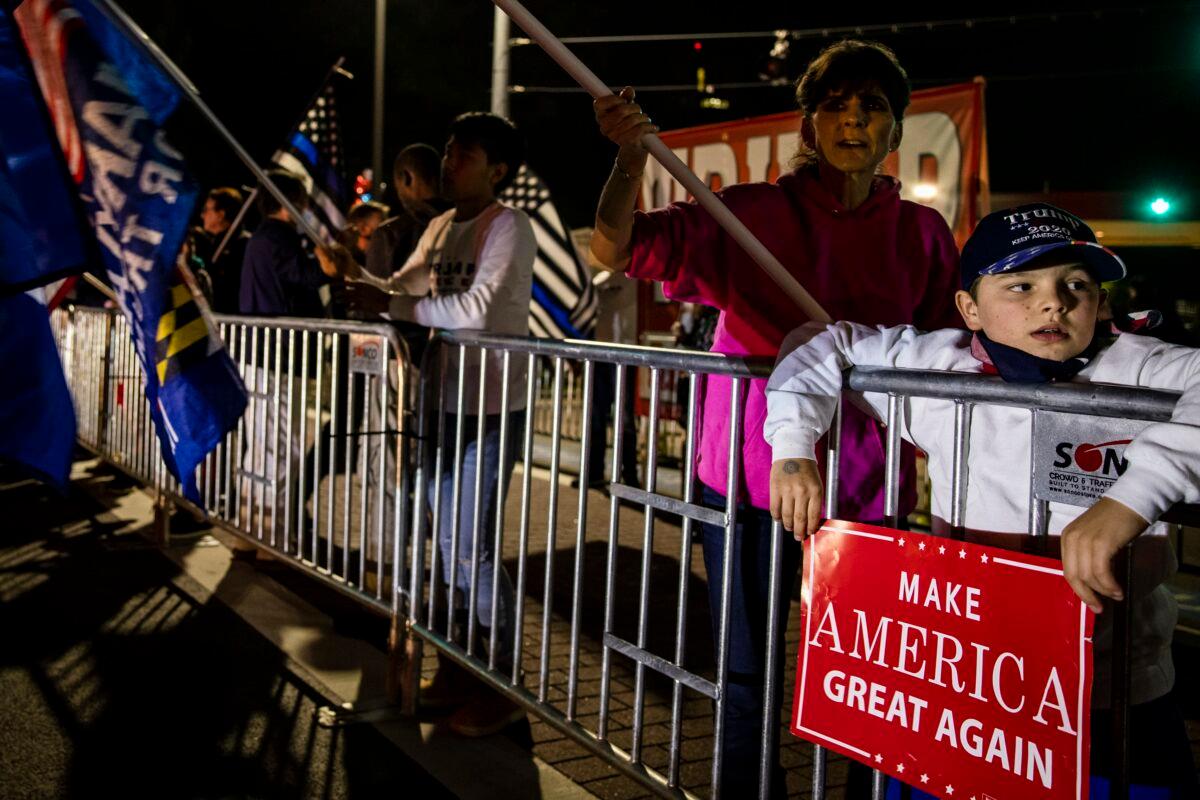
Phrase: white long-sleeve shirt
(1164, 460)
(473, 275)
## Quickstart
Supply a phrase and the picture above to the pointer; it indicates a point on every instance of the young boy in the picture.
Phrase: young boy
(472, 269)
(1032, 302)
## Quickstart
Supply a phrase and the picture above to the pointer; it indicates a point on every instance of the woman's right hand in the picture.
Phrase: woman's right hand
(797, 494)
(624, 123)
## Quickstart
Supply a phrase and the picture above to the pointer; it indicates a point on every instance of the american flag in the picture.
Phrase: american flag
(314, 152)
(563, 303)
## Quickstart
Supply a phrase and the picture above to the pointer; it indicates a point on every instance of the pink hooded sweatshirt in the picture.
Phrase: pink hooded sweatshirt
(887, 262)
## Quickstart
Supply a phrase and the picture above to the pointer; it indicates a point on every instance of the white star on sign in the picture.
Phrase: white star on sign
(949, 790)
(921, 546)
(983, 559)
(878, 758)
(901, 542)
(941, 550)
(962, 553)
(924, 778)
(900, 768)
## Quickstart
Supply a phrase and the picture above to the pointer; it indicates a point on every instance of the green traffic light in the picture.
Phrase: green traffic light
(1160, 206)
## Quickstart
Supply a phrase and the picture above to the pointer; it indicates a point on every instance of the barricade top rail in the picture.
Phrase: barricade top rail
(627, 354)
(1097, 400)
(1075, 398)
(314, 324)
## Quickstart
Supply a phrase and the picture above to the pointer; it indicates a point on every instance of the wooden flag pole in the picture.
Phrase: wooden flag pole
(663, 154)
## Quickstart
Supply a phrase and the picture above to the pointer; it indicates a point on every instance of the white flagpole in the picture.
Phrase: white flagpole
(696, 187)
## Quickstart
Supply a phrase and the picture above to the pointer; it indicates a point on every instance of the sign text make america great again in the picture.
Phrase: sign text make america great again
(962, 670)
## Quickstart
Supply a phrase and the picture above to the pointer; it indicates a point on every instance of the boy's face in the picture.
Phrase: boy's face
(853, 129)
(1050, 312)
(466, 173)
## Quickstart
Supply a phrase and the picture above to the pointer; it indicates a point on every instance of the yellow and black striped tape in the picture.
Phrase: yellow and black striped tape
(182, 334)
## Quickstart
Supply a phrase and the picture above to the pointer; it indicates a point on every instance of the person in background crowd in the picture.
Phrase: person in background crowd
(278, 277)
(616, 321)
(222, 272)
(362, 223)
(842, 230)
(471, 270)
(416, 176)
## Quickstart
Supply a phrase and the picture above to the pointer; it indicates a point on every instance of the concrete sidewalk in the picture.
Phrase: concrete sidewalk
(195, 675)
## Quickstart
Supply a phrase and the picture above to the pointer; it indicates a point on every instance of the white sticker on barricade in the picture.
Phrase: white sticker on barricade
(1077, 458)
(366, 354)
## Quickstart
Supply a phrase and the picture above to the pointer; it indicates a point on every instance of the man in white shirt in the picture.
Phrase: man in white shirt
(471, 270)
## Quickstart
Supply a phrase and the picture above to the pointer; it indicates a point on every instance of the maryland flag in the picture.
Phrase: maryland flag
(108, 103)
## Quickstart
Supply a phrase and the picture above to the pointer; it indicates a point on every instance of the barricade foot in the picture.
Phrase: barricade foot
(350, 714)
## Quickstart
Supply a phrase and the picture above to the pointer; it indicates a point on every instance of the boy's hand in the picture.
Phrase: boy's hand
(336, 262)
(1089, 544)
(622, 121)
(797, 494)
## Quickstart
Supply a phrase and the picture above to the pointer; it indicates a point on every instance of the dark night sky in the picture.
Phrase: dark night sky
(1106, 102)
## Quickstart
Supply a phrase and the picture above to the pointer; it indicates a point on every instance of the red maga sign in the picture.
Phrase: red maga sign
(963, 670)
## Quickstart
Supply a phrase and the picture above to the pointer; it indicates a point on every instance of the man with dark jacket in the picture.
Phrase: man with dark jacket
(278, 277)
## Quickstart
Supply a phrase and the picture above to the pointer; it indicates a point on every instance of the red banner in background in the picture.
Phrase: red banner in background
(942, 160)
(962, 670)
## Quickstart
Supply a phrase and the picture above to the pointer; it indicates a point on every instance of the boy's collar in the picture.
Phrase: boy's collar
(1017, 366)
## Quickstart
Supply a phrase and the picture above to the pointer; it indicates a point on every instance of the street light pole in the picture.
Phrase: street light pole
(377, 133)
(500, 63)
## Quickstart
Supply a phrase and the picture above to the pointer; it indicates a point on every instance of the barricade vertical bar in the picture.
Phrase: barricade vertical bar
(420, 501)
(770, 684)
(1039, 510)
(348, 442)
(336, 344)
(551, 532)
(639, 680)
(685, 573)
(585, 445)
(387, 444)
(361, 438)
(228, 337)
(523, 544)
(891, 510)
(733, 468)
(259, 456)
(501, 493)
(287, 447)
(303, 529)
(318, 431)
(959, 478)
(276, 400)
(1122, 674)
(833, 450)
(434, 488)
(456, 495)
(477, 504)
(243, 423)
(614, 529)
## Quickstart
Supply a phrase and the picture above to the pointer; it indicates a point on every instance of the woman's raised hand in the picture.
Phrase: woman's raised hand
(624, 123)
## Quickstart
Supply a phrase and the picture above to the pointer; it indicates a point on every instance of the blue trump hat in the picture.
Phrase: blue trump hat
(1005, 241)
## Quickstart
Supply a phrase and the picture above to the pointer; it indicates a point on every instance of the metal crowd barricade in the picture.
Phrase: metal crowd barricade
(315, 470)
(367, 521)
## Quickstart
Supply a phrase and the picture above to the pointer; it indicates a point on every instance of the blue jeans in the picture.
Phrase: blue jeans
(748, 600)
(491, 569)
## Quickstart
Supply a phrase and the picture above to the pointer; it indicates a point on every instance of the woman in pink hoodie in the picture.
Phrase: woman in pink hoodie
(866, 255)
